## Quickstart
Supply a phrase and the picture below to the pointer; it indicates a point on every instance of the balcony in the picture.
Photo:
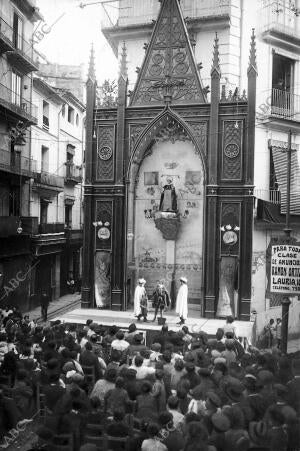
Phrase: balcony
(22, 108)
(73, 174)
(23, 56)
(50, 228)
(279, 24)
(272, 196)
(15, 163)
(73, 236)
(283, 107)
(30, 225)
(6, 37)
(52, 183)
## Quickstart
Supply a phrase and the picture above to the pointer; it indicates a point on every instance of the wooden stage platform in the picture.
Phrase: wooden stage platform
(123, 319)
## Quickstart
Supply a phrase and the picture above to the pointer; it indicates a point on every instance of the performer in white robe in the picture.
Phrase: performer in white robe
(181, 301)
(140, 300)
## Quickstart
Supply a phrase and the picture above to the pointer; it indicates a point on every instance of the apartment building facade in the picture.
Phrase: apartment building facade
(17, 167)
(277, 28)
(56, 191)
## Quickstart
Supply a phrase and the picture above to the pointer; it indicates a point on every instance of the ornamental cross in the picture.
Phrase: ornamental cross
(167, 84)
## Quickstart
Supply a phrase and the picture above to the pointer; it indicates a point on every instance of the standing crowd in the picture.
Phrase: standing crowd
(179, 392)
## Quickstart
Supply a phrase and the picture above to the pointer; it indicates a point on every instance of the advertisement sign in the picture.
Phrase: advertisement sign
(285, 269)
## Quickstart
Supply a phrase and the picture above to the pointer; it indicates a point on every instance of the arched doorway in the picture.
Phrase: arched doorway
(161, 253)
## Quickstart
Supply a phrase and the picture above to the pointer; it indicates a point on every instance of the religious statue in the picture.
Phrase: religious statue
(168, 199)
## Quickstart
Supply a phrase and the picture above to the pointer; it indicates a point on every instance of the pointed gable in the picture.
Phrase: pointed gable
(169, 72)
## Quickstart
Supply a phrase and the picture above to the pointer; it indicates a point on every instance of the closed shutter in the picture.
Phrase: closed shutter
(279, 154)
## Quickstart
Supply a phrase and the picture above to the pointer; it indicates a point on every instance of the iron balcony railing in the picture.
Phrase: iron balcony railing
(73, 173)
(48, 179)
(281, 17)
(16, 163)
(18, 43)
(16, 103)
(271, 195)
(132, 12)
(285, 104)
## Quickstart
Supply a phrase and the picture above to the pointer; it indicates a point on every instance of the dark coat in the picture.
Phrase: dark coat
(88, 358)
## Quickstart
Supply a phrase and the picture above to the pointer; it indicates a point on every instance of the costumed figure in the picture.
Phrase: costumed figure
(181, 301)
(168, 199)
(140, 300)
(161, 300)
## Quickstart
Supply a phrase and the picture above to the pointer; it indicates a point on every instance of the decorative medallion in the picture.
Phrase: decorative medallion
(232, 150)
(105, 153)
(103, 233)
(230, 237)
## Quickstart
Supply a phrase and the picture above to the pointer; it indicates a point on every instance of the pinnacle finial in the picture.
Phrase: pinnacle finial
(92, 71)
(216, 56)
(252, 59)
(123, 63)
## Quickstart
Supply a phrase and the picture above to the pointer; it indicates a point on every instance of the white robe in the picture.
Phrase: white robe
(181, 301)
(138, 294)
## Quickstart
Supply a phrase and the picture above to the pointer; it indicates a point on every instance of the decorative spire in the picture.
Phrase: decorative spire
(123, 63)
(92, 72)
(252, 59)
(216, 57)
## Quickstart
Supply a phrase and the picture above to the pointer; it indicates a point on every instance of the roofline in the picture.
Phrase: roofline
(42, 86)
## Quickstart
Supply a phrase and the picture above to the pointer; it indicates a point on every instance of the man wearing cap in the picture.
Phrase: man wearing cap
(181, 301)
(140, 300)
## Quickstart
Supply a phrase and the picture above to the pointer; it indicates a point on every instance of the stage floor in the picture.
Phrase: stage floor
(123, 319)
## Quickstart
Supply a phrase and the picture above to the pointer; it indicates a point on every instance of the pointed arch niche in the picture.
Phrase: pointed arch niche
(166, 149)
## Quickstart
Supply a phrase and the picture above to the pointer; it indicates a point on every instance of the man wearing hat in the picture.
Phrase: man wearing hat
(140, 300)
(181, 301)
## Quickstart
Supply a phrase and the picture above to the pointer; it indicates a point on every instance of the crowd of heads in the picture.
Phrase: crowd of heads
(177, 391)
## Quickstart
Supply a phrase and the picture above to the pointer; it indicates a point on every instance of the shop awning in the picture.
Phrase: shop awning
(268, 215)
(279, 154)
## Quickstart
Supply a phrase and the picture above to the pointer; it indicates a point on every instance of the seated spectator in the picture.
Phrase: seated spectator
(88, 358)
(142, 371)
(103, 386)
(117, 398)
(177, 372)
(146, 403)
(178, 417)
(117, 427)
(152, 443)
(168, 434)
(120, 344)
(137, 345)
(132, 331)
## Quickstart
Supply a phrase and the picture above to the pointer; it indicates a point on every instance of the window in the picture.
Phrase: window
(71, 113)
(45, 115)
(16, 83)
(68, 215)
(14, 201)
(77, 119)
(18, 32)
(44, 159)
(70, 164)
(63, 110)
(43, 212)
(282, 85)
